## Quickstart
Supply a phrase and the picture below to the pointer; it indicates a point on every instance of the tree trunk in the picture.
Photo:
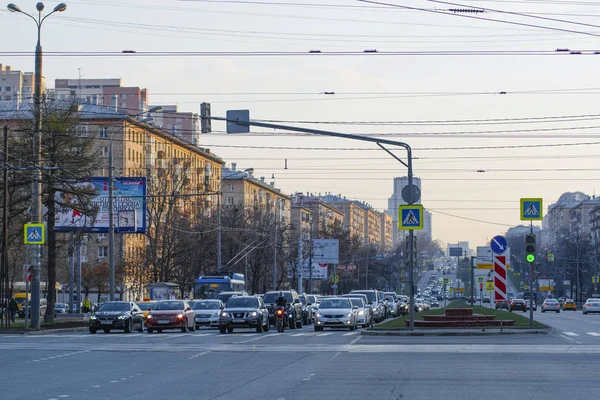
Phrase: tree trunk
(49, 315)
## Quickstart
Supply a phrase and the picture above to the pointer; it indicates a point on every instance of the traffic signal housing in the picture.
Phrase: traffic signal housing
(530, 248)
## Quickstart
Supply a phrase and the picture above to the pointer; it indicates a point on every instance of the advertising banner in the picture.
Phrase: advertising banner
(129, 195)
(318, 272)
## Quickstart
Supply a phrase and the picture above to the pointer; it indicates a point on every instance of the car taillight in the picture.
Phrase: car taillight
(279, 312)
(587, 304)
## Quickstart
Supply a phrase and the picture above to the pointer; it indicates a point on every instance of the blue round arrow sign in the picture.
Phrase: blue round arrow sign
(499, 244)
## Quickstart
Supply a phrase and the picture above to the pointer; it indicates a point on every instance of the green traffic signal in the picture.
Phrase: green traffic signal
(530, 247)
(530, 258)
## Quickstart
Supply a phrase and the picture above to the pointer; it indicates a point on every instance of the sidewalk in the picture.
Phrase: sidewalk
(458, 332)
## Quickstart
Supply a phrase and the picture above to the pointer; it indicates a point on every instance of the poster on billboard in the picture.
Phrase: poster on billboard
(318, 272)
(129, 198)
(326, 251)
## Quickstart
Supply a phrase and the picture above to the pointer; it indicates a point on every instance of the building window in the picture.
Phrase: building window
(104, 151)
(7, 89)
(103, 133)
(102, 236)
(82, 130)
(103, 252)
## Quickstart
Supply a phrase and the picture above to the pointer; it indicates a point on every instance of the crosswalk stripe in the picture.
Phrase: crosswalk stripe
(350, 333)
(593, 333)
(570, 333)
(299, 334)
(325, 334)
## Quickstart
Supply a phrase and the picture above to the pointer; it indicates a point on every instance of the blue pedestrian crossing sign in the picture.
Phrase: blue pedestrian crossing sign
(531, 210)
(35, 234)
(410, 217)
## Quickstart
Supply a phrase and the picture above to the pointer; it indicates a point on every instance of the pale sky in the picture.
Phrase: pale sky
(379, 88)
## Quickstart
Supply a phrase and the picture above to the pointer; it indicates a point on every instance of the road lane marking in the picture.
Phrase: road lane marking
(355, 340)
(350, 333)
(57, 356)
(300, 334)
(198, 355)
(325, 334)
(593, 333)
(570, 333)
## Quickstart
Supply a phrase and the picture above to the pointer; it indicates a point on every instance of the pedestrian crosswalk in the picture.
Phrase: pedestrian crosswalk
(572, 334)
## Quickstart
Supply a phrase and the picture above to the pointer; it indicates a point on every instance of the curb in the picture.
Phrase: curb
(58, 330)
(539, 331)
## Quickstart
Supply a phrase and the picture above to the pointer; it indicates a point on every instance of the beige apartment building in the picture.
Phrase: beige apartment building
(323, 215)
(372, 233)
(387, 232)
(242, 189)
(301, 218)
(16, 86)
(170, 166)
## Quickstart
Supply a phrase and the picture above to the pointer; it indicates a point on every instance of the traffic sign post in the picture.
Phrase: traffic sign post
(481, 279)
(410, 217)
(499, 244)
(531, 209)
(34, 234)
(595, 279)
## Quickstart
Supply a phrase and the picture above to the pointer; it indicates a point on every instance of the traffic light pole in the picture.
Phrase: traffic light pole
(233, 125)
(531, 272)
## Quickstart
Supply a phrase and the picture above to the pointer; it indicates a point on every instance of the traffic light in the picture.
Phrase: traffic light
(530, 247)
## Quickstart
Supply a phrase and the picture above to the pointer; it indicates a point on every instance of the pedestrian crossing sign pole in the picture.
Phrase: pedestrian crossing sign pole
(531, 209)
(35, 234)
(410, 217)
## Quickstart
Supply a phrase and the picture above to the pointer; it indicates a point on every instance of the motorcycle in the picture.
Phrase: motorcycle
(280, 319)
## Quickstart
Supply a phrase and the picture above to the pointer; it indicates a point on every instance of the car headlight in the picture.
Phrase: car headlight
(361, 312)
(319, 315)
(179, 316)
(348, 315)
(93, 317)
(224, 314)
(123, 316)
(374, 309)
(253, 314)
(150, 316)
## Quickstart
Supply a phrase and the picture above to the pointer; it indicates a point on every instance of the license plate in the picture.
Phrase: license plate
(239, 320)
(201, 319)
(106, 322)
(163, 321)
(334, 320)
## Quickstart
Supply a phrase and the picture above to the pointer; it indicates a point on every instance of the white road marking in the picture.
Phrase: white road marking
(325, 334)
(114, 381)
(300, 334)
(337, 354)
(350, 333)
(58, 356)
(571, 334)
(96, 386)
(355, 340)
(198, 355)
(593, 333)
(63, 396)
(204, 334)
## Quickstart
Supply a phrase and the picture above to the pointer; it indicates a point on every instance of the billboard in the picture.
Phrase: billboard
(326, 251)
(129, 198)
(484, 257)
(318, 272)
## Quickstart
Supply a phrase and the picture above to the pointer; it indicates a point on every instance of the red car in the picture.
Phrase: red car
(171, 314)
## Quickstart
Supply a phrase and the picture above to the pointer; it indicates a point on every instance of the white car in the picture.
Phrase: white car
(591, 306)
(551, 305)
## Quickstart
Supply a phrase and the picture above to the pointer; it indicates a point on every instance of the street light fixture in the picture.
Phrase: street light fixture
(36, 192)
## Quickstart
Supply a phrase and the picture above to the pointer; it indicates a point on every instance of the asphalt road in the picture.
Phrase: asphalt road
(298, 364)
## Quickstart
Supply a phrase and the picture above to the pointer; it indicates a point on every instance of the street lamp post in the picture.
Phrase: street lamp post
(275, 245)
(36, 189)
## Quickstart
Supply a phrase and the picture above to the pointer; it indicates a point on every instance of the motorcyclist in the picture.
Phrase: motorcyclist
(282, 302)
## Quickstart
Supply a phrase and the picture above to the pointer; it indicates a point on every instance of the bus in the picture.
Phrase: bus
(208, 287)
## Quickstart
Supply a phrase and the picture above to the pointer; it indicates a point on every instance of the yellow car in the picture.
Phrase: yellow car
(569, 305)
(146, 306)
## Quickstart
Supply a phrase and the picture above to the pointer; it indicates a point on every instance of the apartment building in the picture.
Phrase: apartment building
(105, 92)
(387, 231)
(324, 215)
(354, 214)
(16, 86)
(241, 189)
(184, 125)
(301, 218)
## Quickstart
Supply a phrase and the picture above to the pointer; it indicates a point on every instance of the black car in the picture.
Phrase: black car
(244, 312)
(517, 304)
(294, 307)
(123, 315)
(500, 304)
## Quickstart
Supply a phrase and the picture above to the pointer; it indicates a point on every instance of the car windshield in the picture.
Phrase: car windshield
(357, 302)
(551, 301)
(60, 305)
(272, 297)
(246, 302)
(146, 305)
(114, 307)
(335, 303)
(205, 305)
(168, 305)
(303, 299)
(224, 297)
(391, 296)
(312, 299)
(370, 295)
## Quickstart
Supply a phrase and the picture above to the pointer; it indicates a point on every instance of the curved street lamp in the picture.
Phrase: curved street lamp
(36, 193)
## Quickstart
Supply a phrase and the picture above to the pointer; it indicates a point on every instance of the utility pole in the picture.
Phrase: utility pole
(4, 271)
(111, 223)
(71, 271)
(300, 266)
(219, 249)
(275, 247)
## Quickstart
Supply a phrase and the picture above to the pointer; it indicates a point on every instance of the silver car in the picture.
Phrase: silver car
(336, 312)
(207, 312)
(591, 306)
(551, 305)
(365, 314)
